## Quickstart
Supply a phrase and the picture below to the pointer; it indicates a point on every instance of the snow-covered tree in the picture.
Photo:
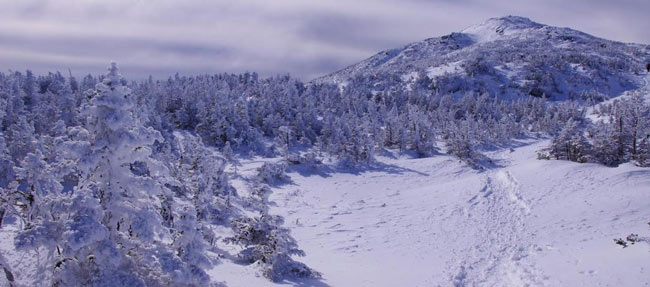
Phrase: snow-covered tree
(624, 133)
(6, 163)
(603, 140)
(570, 144)
(270, 245)
(459, 141)
(116, 235)
(272, 172)
(643, 152)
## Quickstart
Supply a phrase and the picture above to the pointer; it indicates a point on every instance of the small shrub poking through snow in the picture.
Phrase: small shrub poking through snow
(309, 159)
(632, 239)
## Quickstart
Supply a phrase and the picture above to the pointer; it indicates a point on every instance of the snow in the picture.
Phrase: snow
(512, 71)
(24, 264)
(449, 68)
(436, 222)
(412, 76)
(496, 28)
(409, 79)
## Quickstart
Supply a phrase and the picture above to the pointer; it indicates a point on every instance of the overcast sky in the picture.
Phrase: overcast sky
(305, 38)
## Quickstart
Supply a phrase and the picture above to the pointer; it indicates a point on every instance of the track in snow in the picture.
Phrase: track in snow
(496, 222)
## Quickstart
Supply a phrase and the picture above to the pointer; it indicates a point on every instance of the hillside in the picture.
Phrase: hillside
(509, 57)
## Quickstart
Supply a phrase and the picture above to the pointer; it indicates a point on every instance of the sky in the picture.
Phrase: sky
(305, 38)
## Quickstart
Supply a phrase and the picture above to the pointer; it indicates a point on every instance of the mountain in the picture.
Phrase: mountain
(508, 57)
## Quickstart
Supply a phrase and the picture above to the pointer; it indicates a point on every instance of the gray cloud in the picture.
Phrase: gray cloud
(306, 38)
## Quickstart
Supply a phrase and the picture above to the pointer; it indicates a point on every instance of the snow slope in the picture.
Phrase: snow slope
(644, 91)
(436, 222)
(510, 57)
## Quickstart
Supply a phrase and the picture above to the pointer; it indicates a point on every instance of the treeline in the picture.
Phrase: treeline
(350, 122)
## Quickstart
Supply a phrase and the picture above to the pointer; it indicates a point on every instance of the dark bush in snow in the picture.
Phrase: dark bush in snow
(272, 172)
(271, 246)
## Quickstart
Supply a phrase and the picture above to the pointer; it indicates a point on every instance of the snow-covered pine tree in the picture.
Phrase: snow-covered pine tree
(20, 135)
(116, 235)
(623, 136)
(6, 162)
(570, 144)
(603, 140)
(460, 141)
(422, 136)
(6, 177)
(643, 155)
(636, 119)
(227, 152)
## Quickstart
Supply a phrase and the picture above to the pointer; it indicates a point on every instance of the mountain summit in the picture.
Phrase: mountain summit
(497, 28)
(508, 57)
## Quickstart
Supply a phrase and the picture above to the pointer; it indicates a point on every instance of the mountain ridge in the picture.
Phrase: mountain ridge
(510, 56)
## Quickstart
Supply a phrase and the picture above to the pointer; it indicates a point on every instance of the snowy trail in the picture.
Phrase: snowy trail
(436, 222)
(497, 220)
(370, 217)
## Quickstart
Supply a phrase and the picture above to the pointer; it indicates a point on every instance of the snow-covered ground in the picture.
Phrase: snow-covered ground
(436, 222)
(450, 68)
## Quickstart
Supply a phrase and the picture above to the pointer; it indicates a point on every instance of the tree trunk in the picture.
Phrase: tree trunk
(620, 137)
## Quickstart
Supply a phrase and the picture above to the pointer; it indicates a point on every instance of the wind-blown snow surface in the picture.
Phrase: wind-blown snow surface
(436, 222)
